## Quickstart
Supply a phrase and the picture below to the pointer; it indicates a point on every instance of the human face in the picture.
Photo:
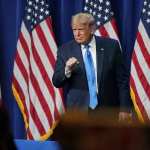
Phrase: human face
(82, 32)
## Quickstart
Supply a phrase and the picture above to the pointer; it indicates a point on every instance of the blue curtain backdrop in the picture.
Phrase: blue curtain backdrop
(127, 14)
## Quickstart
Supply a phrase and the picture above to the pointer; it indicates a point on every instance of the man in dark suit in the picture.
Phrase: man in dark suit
(103, 74)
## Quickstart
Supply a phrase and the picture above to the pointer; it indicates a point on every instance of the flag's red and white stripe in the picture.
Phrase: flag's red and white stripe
(140, 74)
(40, 103)
(109, 29)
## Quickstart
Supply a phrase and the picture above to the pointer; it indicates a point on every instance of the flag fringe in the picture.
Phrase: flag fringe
(19, 102)
(139, 114)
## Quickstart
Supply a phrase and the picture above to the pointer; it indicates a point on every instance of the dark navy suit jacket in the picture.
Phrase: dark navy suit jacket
(112, 77)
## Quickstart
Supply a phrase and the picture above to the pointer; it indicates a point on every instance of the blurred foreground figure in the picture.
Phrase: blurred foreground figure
(92, 72)
(6, 139)
(80, 131)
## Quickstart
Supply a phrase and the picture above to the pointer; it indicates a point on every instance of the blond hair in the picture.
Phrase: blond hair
(85, 19)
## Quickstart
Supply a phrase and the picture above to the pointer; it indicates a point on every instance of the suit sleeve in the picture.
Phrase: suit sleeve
(122, 78)
(59, 78)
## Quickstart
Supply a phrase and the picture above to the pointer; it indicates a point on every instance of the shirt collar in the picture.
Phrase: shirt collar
(91, 43)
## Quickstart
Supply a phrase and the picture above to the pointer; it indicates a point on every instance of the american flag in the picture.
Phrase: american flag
(140, 66)
(40, 103)
(104, 16)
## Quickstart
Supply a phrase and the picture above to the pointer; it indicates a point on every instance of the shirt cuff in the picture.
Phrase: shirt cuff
(67, 72)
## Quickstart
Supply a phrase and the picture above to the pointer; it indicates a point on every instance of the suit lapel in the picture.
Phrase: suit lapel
(100, 59)
(78, 55)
